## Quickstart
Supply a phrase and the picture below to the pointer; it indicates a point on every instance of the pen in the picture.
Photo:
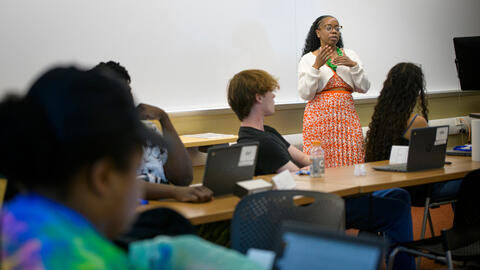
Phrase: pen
(303, 172)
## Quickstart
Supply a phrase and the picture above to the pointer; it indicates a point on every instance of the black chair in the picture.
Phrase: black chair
(257, 218)
(461, 243)
(422, 197)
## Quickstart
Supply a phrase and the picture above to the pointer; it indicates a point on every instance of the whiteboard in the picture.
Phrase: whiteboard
(181, 54)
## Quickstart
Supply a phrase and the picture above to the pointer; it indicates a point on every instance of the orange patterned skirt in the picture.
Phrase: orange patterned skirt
(331, 118)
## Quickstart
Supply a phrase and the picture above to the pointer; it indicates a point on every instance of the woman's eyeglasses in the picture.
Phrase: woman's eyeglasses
(329, 28)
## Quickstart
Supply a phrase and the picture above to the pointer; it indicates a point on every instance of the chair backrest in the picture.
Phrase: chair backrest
(464, 238)
(463, 243)
(257, 218)
(467, 210)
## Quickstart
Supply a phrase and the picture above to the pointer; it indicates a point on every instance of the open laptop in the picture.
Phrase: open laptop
(306, 246)
(426, 150)
(226, 165)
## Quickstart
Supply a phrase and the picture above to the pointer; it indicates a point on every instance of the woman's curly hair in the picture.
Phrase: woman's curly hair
(312, 42)
(402, 89)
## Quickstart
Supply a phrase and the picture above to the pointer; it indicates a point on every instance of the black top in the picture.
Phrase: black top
(404, 141)
(272, 150)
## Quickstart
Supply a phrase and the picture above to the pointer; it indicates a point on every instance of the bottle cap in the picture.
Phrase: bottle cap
(316, 143)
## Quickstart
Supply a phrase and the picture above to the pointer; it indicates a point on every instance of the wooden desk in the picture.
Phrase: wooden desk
(378, 180)
(340, 181)
(196, 142)
(222, 208)
(199, 213)
(312, 184)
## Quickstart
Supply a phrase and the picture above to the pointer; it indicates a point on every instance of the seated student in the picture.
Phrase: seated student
(74, 143)
(251, 97)
(158, 167)
(404, 83)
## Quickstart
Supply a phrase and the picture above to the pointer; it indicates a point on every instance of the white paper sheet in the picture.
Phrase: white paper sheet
(399, 154)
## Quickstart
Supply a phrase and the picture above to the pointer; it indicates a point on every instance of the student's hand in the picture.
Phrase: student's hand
(149, 112)
(344, 61)
(193, 194)
(306, 168)
(324, 53)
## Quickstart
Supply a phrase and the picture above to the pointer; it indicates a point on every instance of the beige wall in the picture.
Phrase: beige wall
(288, 118)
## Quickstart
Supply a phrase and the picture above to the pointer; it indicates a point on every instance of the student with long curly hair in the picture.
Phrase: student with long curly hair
(394, 118)
(328, 74)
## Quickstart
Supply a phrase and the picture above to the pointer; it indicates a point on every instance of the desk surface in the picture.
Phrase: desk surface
(199, 213)
(340, 181)
(222, 208)
(196, 142)
(378, 180)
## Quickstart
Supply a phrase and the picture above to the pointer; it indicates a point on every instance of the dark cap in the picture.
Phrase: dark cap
(84, 105)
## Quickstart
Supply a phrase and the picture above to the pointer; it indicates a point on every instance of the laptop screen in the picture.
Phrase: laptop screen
(227, 165)
(325, 250)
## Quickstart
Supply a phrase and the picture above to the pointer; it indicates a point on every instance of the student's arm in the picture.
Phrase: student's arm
(178, 169)
(419, 122)
(288, 166)
(155, 191)
(300, 158)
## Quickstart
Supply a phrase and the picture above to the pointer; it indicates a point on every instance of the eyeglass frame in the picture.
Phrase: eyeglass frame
(337, 28)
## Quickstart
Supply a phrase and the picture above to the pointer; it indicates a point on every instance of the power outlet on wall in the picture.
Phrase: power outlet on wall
(456, 125)
(461, 124)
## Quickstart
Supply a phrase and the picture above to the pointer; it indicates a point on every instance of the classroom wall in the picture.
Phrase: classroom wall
(288, 118)
(181, 53)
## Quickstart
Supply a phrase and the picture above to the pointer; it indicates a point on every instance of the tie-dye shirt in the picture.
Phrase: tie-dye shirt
(38, 233)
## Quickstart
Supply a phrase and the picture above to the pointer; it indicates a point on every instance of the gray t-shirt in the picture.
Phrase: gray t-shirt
(153, 159)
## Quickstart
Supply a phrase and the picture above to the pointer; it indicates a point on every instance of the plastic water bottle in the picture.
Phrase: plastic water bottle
(317, 156)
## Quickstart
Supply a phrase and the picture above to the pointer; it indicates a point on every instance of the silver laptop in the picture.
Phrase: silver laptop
(426, 150)
(306, 246)
(226, 165)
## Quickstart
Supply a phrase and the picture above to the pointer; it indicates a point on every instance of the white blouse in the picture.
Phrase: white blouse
(312, 80)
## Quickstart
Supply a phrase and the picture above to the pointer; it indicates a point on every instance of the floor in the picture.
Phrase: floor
(442, 219)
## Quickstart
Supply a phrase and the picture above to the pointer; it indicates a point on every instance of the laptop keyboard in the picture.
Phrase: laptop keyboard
(392, 167)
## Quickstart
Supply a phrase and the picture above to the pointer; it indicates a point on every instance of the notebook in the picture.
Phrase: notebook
(426, 150)
(459, 153)
(306, 246)
(461, 150)
(226, 165)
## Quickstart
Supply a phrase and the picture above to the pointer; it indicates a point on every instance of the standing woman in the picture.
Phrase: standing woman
(328, 74)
